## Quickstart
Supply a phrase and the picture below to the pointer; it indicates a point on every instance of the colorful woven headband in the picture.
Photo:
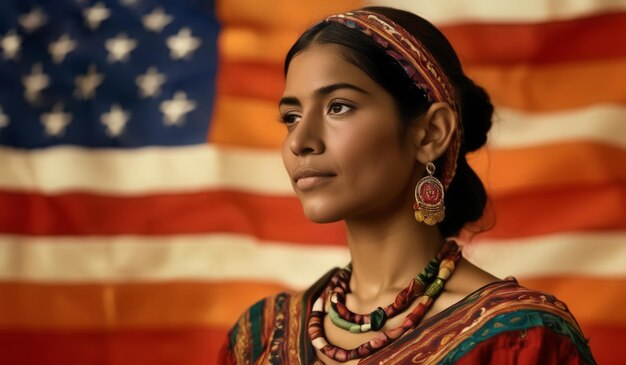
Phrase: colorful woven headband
(419, 65)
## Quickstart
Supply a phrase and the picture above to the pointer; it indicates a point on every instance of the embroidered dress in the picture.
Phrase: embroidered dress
(501, 323)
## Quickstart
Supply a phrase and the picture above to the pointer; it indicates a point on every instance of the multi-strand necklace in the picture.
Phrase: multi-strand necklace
(424, 288)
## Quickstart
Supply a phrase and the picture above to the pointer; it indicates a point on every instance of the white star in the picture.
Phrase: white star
(115, 120)
(34, 83)
(96, 15)
(174, 110)
(120, 47)
(10, 45)
(150, 83)
(59, 49)
(4, 119)
(33, 20)
(86, 84)
(156, 20)
(56, 121)
(182, 44)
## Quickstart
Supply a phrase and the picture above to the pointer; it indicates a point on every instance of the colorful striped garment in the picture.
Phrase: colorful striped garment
(500, 323)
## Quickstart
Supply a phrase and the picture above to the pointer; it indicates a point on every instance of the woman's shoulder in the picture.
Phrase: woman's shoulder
(506, 305)
(508, 295)
(501, 322)
(504, 320)
(474, 292)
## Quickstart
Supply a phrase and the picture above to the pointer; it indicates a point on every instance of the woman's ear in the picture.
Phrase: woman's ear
(433, 131)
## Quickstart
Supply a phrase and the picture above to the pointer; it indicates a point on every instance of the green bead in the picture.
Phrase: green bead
(342, 323)
(429, 273)
(435, 288)
(378, 319)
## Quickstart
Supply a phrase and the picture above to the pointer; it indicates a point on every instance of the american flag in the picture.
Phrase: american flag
(106, 74)
(143, 202)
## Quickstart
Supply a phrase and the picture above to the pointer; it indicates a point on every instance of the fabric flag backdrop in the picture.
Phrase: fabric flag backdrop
(143, 201)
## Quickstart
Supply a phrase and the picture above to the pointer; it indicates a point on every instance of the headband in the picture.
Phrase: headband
(419, 65)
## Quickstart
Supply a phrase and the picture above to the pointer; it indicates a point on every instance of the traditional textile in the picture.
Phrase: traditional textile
(418, 63)
(500, 323)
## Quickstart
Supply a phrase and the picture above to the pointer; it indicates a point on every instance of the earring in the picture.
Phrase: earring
(429, 207)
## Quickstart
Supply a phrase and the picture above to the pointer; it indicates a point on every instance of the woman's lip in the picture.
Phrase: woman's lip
(312, 181)
(304, 171)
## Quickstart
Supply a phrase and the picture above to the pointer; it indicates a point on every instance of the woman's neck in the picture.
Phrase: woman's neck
(387, 253)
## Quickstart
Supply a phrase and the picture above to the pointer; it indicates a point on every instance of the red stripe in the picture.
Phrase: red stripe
(251, 79)
(576, 208)
(157, 347)
(476, 44)
(160, 304)
(280, 218)
(274, 218)
(595, 37)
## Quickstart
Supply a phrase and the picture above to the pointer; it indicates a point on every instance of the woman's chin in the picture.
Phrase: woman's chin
(321, 215)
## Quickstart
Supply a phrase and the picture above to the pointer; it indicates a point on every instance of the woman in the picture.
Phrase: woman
(379, 117)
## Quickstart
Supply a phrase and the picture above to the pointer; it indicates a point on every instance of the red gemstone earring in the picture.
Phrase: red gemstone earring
(429, 207)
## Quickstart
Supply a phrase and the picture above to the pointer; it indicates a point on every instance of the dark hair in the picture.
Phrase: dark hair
(466, 197)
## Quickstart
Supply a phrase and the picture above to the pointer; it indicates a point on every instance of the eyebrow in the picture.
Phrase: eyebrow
(322, 91)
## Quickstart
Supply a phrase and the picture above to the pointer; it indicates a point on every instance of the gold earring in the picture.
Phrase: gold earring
(429, 207)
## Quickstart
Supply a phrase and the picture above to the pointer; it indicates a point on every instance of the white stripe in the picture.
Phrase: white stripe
(494, 11)
(145, 259)
(143, 170)
(184, 169)
(599, 123)
(235, 257)
(593, 254)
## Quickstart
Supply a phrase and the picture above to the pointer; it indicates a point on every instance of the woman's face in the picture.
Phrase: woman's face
(343, 150)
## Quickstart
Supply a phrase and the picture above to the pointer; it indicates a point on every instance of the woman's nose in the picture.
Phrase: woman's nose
(307, 137)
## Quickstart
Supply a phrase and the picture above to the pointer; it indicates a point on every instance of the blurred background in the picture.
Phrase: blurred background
(143, 202)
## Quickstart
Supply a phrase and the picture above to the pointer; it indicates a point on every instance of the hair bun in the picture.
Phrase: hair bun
(476, 115)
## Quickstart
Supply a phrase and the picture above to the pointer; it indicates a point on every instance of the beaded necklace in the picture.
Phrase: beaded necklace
(340, 286)
(431, 287)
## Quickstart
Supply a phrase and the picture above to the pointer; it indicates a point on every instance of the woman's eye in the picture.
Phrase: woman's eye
(338, 108)
(289, 118)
